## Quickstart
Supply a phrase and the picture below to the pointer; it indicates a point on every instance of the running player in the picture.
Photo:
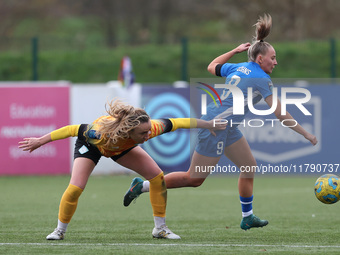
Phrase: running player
(116, 136)
(230, 142)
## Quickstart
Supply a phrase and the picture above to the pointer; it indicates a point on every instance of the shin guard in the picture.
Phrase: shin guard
(68, 203)
(158, 195)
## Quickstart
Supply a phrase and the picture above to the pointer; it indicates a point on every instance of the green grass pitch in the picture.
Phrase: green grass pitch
(207, 218)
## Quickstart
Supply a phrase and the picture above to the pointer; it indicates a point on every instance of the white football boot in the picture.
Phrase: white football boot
(57, 234)
(164, 232)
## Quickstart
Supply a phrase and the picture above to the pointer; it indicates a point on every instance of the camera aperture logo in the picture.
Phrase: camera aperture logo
(239, 103)
(204, 97)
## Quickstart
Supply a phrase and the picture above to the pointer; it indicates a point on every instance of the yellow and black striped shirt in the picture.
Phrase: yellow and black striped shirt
(88, 132)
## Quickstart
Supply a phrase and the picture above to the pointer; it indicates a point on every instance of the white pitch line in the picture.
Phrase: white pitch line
(170, 244)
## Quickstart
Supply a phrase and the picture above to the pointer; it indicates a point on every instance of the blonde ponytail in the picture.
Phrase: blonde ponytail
(262, 30)
(262, 27)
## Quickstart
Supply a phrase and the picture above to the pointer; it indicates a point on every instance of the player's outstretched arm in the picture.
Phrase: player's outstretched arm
(290, 121)
(212, 125)
(32, 143)
(224, 58)
(217, 124)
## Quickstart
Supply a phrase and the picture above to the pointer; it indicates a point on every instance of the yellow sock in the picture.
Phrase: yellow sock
(68, 203)
(158, 195)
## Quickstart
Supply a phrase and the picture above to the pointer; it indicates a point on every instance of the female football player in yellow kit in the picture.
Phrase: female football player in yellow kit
(116, 136)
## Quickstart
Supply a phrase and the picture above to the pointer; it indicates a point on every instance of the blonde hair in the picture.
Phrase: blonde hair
(262, 30)
(124, 119)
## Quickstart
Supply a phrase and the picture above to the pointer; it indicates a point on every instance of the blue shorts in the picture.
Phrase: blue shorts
(213, 146)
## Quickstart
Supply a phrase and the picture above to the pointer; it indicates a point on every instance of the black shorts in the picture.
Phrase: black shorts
(83, 149)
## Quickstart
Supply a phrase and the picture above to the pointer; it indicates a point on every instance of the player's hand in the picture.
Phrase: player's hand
(242, 47)
(311, 138)
(29, 144)
(217, 124)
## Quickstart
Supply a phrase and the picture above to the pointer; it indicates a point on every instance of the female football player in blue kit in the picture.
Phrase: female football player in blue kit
(231, 142)
(116, 136)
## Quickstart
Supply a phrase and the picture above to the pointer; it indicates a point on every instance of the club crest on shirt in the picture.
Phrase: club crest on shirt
(270, 85)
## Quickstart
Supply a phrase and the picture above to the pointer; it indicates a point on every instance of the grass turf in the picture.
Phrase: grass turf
(207, 218)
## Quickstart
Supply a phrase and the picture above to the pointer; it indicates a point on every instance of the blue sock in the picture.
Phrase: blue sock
(247, 205)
